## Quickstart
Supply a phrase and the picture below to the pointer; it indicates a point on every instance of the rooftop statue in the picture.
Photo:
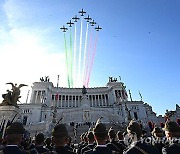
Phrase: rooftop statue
(12, 97)
(84, 91)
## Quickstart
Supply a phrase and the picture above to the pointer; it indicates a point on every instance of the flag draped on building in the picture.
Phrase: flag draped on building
(57, 97)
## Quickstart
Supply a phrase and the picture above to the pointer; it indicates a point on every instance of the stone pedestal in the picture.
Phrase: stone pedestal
(85, 104)
(9, 112)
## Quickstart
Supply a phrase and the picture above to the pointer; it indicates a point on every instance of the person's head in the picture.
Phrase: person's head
(100, 132)
(171, 129)
(90, 137)
(39, 139)
(60, 135)
(111, 134)
(134, 129)
(120, 135)
(14, 133)
(157, 132)
(47, 141)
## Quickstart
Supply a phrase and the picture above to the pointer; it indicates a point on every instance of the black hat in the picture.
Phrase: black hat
(120, 134)
(171, 126)
(15, 128)
(60, 131)
(39, 137)
(112, 133)
(157, 130)
(100, 128)
(134, 127)
(90, 135)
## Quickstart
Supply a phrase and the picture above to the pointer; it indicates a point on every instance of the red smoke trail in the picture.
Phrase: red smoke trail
(92, 61)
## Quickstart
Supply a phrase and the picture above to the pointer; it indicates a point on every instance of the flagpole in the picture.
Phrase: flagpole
(57, 82)
(27, 96)
(130, 95)
(56, 100)
(140, 95)
(4, 129)
(120, 78)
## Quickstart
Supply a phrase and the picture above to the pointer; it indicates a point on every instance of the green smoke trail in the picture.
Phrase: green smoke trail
(67, 60)
(71, 79)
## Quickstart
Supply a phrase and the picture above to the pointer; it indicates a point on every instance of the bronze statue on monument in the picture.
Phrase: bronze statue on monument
(84, 90)
(12, 97)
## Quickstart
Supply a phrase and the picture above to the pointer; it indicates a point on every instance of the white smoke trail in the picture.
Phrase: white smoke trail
(89, 55)
(85, 50)
(80, 51)
(74, 57)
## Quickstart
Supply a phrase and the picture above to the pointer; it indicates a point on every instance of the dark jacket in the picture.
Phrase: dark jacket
(62, 150)
(138, 146)
(115, 146)
(41, 149)
(172, 148)
(13, 150)
(87, 148)
(99, 150)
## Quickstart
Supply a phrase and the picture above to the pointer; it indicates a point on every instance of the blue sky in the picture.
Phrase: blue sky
(139, 42)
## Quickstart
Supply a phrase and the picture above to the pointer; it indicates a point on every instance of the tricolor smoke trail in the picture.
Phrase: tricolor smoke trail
(80, 51)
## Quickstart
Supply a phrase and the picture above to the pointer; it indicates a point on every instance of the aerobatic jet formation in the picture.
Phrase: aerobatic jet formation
(70, 23)
(92, 23)
(64, 29)
(75, 18)
(98, 28)
(80, 47)
(82, 12)
(88, 18)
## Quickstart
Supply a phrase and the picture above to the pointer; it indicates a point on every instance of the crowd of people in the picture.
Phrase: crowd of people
(99, 140)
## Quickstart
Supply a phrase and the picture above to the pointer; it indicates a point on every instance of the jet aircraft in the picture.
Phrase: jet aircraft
(98, 28)
(82, 12)
(64, 28)
(70, 23)
(75, 18)
(92, 23)
(88, 18)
